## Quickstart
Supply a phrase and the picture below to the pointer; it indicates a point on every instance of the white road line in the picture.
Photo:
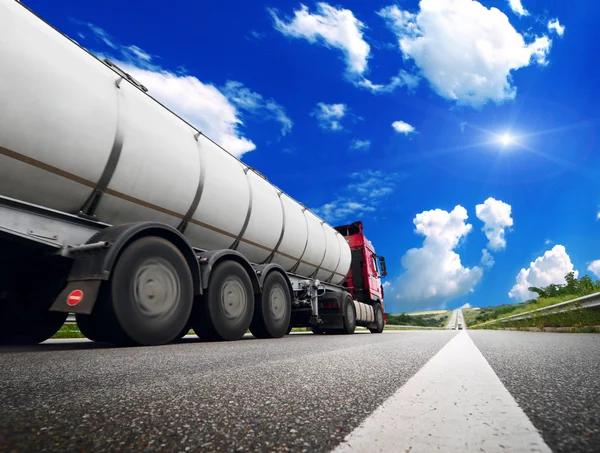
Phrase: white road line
(455, 403)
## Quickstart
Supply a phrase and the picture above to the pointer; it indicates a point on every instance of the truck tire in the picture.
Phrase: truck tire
(25, 318)
(273, 308)
(226, 309)
(88, 327)
(378, 320)
(349, 315)
(183, 333)
(37, 328)
(148, 299)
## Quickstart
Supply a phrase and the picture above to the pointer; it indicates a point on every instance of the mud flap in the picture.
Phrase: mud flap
(78, 297)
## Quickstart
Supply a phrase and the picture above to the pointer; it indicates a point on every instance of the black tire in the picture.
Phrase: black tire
(289, 329)
(273, 308)
(26, 294)
(225, 312)
(148, 299)
(378, 319)
(89, 328)
(349, 315)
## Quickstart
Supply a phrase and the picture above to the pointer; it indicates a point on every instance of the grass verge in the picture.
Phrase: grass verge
(583, 320)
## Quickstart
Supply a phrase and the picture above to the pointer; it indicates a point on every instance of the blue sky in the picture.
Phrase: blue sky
(393, 113)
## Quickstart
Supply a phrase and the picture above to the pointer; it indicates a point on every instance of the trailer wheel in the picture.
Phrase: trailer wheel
(35, 328)
(273, 308)
(378, 320)
(226, 310)
(88, 326)
(183, 333)
(349, 315)
(148, 299)
(25, 318)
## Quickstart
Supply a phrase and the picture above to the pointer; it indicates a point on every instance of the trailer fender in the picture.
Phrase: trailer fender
(208, 260)
(92, 266)
(262, 270)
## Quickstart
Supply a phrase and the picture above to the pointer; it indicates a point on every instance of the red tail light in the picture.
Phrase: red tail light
(331, 305)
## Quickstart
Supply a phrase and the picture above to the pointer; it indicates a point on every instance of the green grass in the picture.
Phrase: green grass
(572, 318)
(438, 318)
(68, 331)
(576, 319)
(469, 314)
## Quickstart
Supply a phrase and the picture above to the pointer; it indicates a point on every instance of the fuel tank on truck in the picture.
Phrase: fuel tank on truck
(77, 136)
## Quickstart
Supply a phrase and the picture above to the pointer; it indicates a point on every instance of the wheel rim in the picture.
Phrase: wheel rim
(156, 288)
(350, 313)
(277, 303)
(233, 298)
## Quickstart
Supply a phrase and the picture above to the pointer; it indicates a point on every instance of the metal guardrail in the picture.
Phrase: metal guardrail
(589, 301)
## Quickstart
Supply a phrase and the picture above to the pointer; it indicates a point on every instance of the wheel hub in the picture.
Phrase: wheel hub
(277, 303)
(156, 288)
(233, 298)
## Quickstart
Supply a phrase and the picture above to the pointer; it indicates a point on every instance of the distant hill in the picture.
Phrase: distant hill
(434, 318)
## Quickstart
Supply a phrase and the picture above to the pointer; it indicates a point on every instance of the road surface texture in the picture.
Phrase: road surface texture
(555, 378)
(417, 391)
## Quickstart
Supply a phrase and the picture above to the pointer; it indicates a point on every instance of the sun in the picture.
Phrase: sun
(506, 139)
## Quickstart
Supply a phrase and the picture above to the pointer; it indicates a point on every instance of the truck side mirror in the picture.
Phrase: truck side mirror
(383, 267)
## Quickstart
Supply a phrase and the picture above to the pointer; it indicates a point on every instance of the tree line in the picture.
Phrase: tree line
(573, 286)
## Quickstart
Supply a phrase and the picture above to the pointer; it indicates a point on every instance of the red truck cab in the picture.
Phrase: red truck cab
(364, 278)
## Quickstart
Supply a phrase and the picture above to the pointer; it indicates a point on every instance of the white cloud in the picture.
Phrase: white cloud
(467, 305)
(548, 242)
(434, 273)
(465, 50)
(249, 100)
(363, 194)
(545, 270)
(329, 115)
(342, 209)
(554, 25)
(462, 125)
(372, 184)
(403, 128)
(594, 268)
(201, 104)
(207, 107)
(495, 215)
(101, 34)
(487, 259)
(338, 28)
(387, 284)
(403, 78)
(335, 28)
(360, 145)
(517, 7)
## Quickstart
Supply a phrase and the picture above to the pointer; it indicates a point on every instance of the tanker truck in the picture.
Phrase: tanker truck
(117, 210)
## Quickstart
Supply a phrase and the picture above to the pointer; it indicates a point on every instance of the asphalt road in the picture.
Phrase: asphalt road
(555, 378)
(299, 393)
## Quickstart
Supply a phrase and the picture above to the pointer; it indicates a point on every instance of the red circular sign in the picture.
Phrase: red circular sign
(74, 298)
